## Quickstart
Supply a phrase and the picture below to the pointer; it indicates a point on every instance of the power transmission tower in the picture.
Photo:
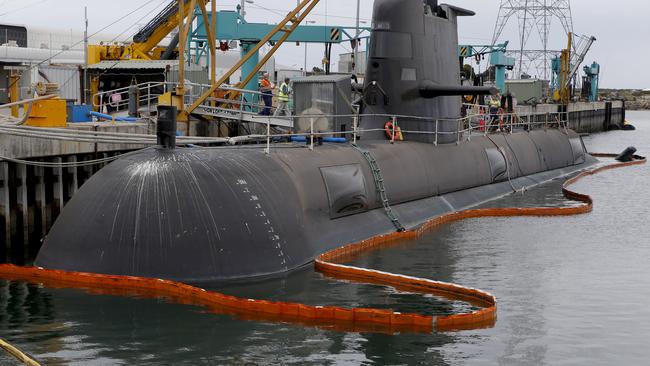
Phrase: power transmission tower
(533, 15)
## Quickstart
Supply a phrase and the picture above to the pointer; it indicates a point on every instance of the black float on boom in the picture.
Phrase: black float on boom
(627, 154)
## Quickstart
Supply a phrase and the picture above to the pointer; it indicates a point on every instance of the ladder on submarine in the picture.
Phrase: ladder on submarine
(381, 188)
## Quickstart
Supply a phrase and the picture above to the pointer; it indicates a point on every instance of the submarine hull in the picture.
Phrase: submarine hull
(211, 214)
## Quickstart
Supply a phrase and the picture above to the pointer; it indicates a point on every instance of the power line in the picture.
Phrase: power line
(91, 35)
(23, 8)
(147, 14)
(284, 12)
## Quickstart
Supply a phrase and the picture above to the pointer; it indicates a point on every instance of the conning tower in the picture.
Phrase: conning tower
(411, 59)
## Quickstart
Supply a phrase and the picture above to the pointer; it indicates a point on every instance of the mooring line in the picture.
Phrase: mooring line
(329, 263)
(18, 354)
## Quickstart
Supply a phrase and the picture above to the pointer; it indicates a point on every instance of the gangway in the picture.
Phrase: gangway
(243, 116)
(147, 95)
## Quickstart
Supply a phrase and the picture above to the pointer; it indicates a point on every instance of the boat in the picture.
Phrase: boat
(198, 214)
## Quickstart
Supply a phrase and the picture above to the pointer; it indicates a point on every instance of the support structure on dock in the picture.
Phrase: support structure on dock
(533, 15)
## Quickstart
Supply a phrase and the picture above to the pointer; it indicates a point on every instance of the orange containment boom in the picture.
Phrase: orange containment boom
(328, 317)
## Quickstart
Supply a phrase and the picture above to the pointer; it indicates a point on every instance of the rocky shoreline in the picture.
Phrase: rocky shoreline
(634, 99)
(636, 105)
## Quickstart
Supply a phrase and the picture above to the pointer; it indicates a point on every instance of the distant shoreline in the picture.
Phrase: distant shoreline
(635, 99)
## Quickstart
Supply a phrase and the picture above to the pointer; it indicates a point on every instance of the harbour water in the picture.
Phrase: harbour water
(571, 291)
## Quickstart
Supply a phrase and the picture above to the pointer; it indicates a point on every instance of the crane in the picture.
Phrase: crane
(145, 45)
(498, 59)
(222, 25)
(590, 82)
(231, 26)
(567, 65)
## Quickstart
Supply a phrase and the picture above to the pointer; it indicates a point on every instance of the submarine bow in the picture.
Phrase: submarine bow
(171, 214)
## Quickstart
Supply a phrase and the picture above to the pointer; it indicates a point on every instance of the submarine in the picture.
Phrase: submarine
(197, 214)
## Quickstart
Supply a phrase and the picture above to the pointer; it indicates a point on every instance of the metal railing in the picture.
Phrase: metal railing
(465, 131)
(247, 101)
(478, 120)
(117, 100)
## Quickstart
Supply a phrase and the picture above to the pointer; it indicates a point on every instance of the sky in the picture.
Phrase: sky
(621, 29)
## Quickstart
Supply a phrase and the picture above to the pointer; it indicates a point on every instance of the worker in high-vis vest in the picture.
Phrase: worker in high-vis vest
(283, 99)
(495, 105)
(266, 88)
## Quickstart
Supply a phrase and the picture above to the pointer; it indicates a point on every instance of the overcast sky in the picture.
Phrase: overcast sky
(621, 28)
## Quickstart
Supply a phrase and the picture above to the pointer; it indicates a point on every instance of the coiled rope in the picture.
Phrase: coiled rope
(329, 263)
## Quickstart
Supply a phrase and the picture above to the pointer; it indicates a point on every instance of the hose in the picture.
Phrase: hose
(112, 118)
(100, 137)
(336, 140)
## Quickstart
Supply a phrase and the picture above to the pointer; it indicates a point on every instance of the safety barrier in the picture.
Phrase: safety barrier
(329, 263)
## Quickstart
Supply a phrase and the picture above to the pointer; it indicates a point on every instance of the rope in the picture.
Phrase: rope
(18, 354)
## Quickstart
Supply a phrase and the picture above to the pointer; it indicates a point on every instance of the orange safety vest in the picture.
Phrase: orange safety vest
(265, 84)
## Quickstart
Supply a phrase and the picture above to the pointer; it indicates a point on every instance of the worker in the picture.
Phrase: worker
(283, 99)
(495, 105)
(508, 107)
(266, 87)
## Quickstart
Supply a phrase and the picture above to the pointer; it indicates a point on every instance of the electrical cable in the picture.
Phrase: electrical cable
(75, 164)
(23, 8)
(505, 158)
(89, 36)
(284, 13)
(147, 14)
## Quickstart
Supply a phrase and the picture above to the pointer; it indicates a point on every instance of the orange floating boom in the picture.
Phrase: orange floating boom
(329, 263)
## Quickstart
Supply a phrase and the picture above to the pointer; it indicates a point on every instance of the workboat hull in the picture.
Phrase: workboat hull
(210, 214)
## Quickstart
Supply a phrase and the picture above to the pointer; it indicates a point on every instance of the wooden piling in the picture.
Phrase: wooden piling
(22, 206)
(5, 210)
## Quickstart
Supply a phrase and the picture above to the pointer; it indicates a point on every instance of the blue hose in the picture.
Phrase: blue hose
(336, 140)
(110, 118)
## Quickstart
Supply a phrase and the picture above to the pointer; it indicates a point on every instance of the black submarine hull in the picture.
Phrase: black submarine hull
(211, 214)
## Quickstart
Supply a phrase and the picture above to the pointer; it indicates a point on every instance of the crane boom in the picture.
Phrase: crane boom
(164, 16)
(580, 57)
(158, 28)
(145, 42)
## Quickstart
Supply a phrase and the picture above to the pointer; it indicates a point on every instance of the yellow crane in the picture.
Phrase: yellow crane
(563, 94)
(179, 15)
(145, 45)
